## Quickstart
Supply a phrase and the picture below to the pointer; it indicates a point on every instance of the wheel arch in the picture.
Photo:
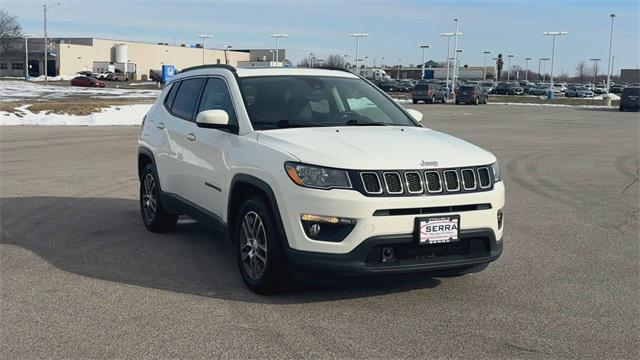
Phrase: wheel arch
(242, 187)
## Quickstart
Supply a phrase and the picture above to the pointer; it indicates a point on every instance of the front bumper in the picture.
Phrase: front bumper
(293, 201)
(475, 247)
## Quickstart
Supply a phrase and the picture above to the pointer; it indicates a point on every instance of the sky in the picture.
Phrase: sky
(395, 27)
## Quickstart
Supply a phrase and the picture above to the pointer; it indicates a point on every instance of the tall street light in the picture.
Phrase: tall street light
(204, 38)
(423, 47)
(226, 53)
(358, 36)
(455, 49)
(613, 16)
(595, 70)
(526, 69)
(509, 66)
(399, 67)
(277, 37)
(484, 68)
(449, 35)
(46, 41)
(554, 35)
(26, 56)
(457, 64)
(544, 69)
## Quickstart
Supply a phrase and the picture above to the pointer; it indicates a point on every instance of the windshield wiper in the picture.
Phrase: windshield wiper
(356, 122)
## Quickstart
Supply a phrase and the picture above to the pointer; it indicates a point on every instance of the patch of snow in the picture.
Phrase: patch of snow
(53, 78)
(113, 115)
(21, 90)
(404, 101)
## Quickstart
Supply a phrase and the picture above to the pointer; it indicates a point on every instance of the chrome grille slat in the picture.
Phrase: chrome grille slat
(433, 181)
(451, 180)
(393, 183)
(468, 179)
(484, 180)
(371, 182)
(413, 182)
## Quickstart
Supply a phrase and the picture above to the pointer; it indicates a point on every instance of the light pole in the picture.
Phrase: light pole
(423, 47)
(226, 53)
(554, 35)
(449, 35)
(613, 16)
(526, 69)
(455, 48)
(277, 37)
(358, 36)
(204, 38)
(484, 72)
(595, 70)
(26, 56)
(457, 64)
(544, 68)
(495, 61)
(399, 67)
(509, 66)
(364, 62)
(312, 56)
(46, 41)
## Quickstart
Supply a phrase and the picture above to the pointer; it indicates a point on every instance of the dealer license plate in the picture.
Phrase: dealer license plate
(438, 229)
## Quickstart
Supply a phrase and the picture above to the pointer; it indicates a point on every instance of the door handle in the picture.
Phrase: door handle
(190, 137)
(160, 126)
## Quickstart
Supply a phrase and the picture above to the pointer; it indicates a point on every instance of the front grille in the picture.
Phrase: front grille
(422, 182)
(414, 182)
(412, 252)
(393, 183)
(451, 180)
(483, 177)
(371, 182)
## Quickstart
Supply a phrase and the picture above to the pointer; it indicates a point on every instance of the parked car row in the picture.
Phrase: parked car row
(107, 75)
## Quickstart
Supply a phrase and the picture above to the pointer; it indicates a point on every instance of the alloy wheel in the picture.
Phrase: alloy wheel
(149, 198)
(253, 245)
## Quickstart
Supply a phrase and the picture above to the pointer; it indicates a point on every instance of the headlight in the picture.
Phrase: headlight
(317, 177)
(497, 175)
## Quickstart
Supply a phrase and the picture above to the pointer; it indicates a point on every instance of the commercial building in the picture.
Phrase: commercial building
(630, 76)
(439, 73)
(67, 56)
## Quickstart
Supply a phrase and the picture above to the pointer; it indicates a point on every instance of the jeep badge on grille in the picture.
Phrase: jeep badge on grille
(425, 163)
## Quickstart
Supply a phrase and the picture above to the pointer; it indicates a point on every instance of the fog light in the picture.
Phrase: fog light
(314, 230)
(388, 254)
(499, 219)
(326, 228)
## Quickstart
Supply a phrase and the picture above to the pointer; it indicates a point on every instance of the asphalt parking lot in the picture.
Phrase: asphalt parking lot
(81, 277)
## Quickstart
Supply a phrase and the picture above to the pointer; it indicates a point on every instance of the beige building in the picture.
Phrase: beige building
(68, 56)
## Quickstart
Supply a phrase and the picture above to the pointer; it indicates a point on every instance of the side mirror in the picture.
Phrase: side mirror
(417, 115)
(213, 119)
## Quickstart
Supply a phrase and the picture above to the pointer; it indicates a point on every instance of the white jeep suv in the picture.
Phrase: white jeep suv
(316, 171)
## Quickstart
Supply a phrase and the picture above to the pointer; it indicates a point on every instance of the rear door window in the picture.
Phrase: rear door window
(184, 104)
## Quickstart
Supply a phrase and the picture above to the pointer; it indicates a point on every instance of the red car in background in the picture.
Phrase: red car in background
(86, 82)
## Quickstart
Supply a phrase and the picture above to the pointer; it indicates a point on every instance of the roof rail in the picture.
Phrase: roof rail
(209, 66)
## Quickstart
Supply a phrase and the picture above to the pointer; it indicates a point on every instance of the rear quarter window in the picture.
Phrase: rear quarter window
(631, 92)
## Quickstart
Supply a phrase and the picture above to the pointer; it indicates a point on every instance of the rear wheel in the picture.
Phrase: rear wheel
(476, 101)
(415, 101)
(433, 100)
(155, 217)
(259, 248)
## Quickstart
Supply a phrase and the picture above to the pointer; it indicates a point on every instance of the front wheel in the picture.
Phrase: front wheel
(155, 217)
(415, 101)
(259, 250)
(476, 101)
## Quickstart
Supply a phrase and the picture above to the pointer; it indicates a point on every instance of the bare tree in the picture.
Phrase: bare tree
(10, 30)
(581, 70)
(334, 60)
(305, 62)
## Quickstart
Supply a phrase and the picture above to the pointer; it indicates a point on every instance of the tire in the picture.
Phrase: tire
(457, 102)
(415, 101)
(155, 217)
(444, 101)
(433, 100)
(259, 254)
(476, 101)
(622, 108)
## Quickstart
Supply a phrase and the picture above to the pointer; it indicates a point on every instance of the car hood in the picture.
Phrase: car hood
(367, 148)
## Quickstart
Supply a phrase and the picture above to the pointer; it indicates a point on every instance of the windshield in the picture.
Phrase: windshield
(311, 101)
